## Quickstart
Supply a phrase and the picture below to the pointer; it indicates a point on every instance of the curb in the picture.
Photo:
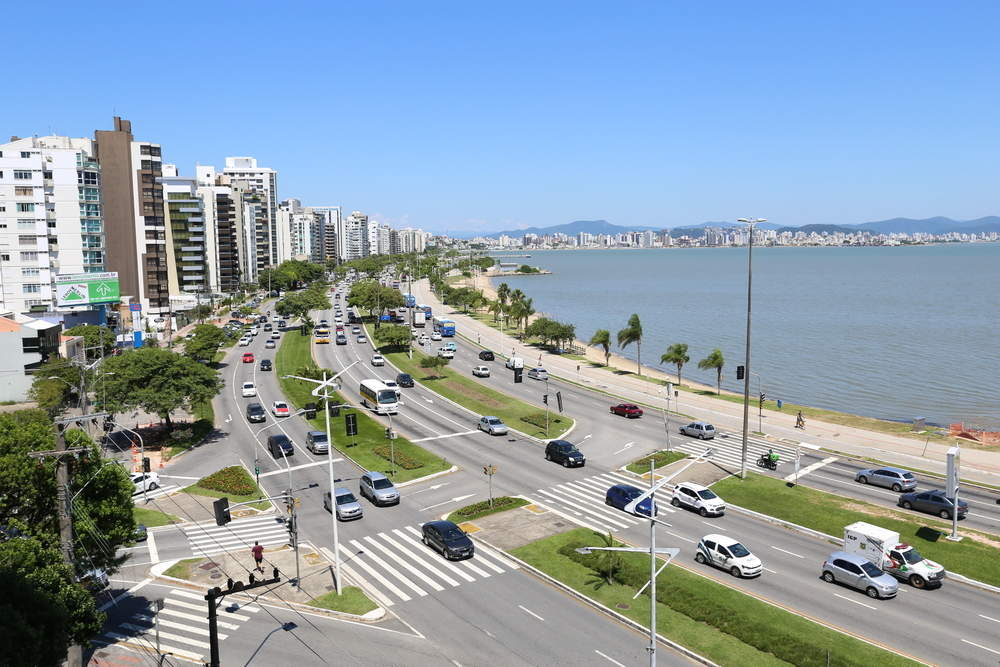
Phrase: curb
(600, 607)
(427, 477)
(839, 541)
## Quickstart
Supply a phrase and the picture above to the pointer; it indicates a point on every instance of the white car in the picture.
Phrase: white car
(481, 371)
(249, 389)
(270, 345)
(245, 341)
(728, 554)
(275, 336)
(435, 336)
(254, 331)
(699, 498)
(145, 481)
(280, 409)
(378, 360)
(538, 373)
(446, 353)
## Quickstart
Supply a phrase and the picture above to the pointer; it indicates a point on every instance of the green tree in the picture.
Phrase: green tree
(393, 336)
(503, 295)
(298, 304)
(55, 385)
(205, 343)
(633, 334)
(99, 340)
(717, 361)
(158, 381)
(676, 354)
(374, 297)
(433, 364)
(602, 338)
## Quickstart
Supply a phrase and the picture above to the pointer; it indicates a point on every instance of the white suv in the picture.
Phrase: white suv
(728, 554)
(699, 498)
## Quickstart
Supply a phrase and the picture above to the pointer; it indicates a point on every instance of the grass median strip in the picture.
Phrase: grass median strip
(234, 483)
(660, 458)
(977, 556)
(369, 448)
(484, 508)
(713, 620)
(482, 400)
(153, 518)
(351, 601)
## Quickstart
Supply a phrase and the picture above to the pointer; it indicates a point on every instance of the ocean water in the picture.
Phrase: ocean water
(895, 333)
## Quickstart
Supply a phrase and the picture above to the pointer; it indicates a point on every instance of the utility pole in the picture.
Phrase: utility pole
(490, 470)
(546, 407)
(750, 222)
(214, 598)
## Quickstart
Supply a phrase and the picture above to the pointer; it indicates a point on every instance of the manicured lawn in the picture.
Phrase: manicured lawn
(351, 601)
(482, 508)
(483, 400)
(661, 458)
(182, 568)
(152, 518)
(829, 513)
(293, 354)
(717, 622)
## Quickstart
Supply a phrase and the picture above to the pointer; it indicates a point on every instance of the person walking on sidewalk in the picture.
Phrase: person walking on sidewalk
(258, 556)
(799, 421)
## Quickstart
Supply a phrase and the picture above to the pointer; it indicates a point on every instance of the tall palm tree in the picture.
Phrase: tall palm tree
(602, 337)
(676, 354)
(527, 311)
(633, 334)
(495, 307)
(717, 361)
(503, 293)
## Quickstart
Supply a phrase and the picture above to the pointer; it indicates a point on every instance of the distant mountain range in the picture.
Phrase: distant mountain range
(936, 225)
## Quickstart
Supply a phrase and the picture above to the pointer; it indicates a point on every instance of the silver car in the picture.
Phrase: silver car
(700, 430)
(379, 489)
(348, 507)
(896, 479)
(492, 425)
(317, 443)
(858, 572)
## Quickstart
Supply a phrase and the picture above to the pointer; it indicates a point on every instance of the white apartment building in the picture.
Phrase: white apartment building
(295, 231)
(50, 218)
(191, 243)
(413, 240)
(264, 182)
(353, 238)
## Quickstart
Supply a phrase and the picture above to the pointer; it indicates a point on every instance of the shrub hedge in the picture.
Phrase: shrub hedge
(234, 479)
(480, 509)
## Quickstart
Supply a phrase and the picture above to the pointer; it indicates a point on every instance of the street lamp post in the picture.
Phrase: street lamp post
(750, 222)
(142, 455)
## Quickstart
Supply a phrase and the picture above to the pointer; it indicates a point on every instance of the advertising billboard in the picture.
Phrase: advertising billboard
(83, 289)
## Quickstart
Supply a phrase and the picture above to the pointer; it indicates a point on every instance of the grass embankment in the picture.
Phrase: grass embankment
(351, 601)
(660, 459)
(713, 620)
(152, 518)
(481, 509)
(977, 556)
(234, 483)
(369, 448)
(452, 384)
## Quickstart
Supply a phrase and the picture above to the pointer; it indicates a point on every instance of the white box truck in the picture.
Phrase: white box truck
(885, 550)
(419, 318)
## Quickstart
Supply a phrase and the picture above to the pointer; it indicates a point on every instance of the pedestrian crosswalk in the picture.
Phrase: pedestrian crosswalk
(159, 492)
(395, 566)
(180, 628)
(583, 500)
(206, 538)
(728, 448)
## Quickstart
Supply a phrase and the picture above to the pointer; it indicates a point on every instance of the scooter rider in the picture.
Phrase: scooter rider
(771, 456)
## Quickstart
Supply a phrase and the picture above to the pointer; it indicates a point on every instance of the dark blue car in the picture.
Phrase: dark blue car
(620, 495)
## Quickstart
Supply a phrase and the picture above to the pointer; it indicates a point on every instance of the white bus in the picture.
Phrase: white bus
(378, 397)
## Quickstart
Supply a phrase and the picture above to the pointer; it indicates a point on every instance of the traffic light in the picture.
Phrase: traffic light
(740, 372)
(145, 464)
(559, 400)
(310, 409)
(545, 399)
(335, 411)
(517, 374)
(351, 423)
(221, 507)
(763, 396)
(388, 432)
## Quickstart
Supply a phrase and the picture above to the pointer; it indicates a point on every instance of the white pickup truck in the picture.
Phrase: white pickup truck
(883, 549)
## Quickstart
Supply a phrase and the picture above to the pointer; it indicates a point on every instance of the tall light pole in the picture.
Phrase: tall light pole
(750, 222)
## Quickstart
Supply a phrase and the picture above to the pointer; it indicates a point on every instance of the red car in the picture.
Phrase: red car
(626, 410)
(248, 357)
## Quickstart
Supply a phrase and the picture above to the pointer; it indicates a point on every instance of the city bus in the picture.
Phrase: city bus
(444, 326)
(410, 300)
(428, 312)
(322, 335)
(378, 397)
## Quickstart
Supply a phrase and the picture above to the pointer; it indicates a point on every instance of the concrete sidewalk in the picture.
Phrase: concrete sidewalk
(977, 464)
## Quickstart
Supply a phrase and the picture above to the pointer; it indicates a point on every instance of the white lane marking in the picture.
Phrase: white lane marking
(786, 552)
(528, 611)
(388, 568)
(429, 488)
(411, 552)
(770, 570)
(981, 646)
(450, 435)
(284, 471)
(680, 537)
(627, 446)
(809, 468)
(112, 601)
(988, 618)
(586, 436)
(453, 500)
(154, 555)
(403, 562)
(178, 477)
(164, 648)
(413, 540)
(168, 635)
(427, 399)
(855, 601)
(194, 617)
(608, 658)
(708, 523)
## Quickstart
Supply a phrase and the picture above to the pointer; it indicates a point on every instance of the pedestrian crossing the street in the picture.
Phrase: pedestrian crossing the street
(583, 500)
(182, 626)
(400, 568)
(206, 538)
(728, 447)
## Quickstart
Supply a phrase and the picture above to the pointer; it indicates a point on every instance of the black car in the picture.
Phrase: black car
(279, 445)
(256, 412)
(404, 380)
(265, 364)
(564, 452)
(448, 539)
(267, 326)
(932, 502)
(486, 355)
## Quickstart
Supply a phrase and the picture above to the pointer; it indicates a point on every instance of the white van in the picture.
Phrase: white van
(514, 362)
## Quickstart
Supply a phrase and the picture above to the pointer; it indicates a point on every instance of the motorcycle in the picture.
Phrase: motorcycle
(765, 462)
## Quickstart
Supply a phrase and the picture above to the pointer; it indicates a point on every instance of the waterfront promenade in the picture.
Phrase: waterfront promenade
(977, 464)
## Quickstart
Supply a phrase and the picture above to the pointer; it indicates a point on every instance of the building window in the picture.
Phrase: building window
(22, 175)
(25, 208)
(22, 191)
(47, 174)
(29, 271)
(25, 154)
(26, 240)
(29, 256)
(32, 288)
(26, 223)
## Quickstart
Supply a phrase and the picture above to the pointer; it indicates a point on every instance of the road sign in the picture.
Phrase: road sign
(351, 422)
(135, 307)
(954, 457)
(82, 289)
(489, 470)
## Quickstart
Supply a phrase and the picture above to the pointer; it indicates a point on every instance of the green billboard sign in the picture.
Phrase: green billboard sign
(83, 289)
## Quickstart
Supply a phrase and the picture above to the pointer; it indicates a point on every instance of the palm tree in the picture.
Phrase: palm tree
(633, 334)
(495, 308)
(676, 354)
(717, 361)
(602, 337)
(503, 293)
(527, 311)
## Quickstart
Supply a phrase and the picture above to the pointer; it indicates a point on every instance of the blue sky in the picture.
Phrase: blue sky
(468, 115)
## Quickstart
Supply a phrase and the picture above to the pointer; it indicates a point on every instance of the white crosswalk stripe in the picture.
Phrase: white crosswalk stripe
(159, 492)
(182, 623)
(399, 568)
(728, 448)
(207, 538)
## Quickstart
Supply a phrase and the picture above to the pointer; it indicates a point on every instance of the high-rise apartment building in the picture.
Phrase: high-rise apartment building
(263, 182)
(50, 218)
(134, 217)
(325, 229)
(190, 242)
(223, 216)
(353, 237)
(296, 229)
